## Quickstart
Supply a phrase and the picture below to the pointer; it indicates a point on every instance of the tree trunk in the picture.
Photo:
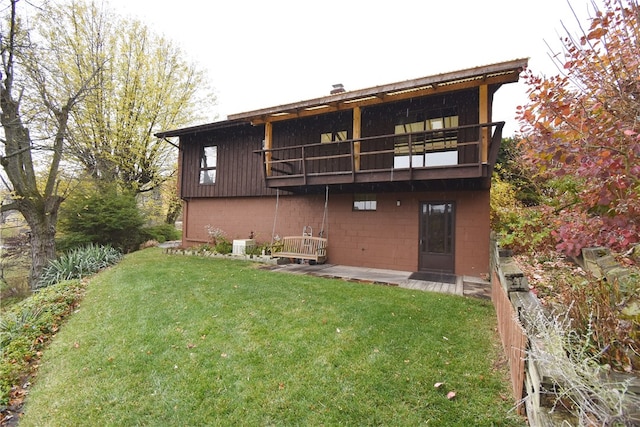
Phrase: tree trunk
(42, 223)
(173, 212)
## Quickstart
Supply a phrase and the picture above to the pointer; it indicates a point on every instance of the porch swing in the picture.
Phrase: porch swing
(306, 246)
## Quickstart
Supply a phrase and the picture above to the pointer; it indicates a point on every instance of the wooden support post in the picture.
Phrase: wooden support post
(485, 117)
(356, 135)
(268, 145)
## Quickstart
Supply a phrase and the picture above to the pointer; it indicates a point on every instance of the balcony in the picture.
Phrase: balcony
(457, 153)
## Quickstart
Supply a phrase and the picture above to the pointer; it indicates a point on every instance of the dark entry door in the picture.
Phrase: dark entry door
(437, 230)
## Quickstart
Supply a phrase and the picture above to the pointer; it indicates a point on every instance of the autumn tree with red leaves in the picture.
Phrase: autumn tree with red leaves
(582, 126)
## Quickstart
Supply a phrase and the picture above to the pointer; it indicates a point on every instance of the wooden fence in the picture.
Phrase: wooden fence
(513, 337)
(506, 278)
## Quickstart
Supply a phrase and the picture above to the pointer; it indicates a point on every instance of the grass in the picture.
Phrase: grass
(171, 340)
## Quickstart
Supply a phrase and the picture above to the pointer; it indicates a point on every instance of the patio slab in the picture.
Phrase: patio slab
(464, 285)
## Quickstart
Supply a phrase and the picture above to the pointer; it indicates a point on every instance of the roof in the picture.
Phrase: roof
(202, 128)
(503, 72)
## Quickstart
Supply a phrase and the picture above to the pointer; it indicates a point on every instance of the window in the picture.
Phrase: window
(333, 136)
(364, 202)
(208, 164)
(428, 148)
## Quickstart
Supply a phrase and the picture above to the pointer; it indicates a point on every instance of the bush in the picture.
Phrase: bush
(606, 315)
(161, 233)
(527, 230)
(78, 263)
(502, 203)
(103, 216)
(582, 384)
(523, 229)
(223, 246)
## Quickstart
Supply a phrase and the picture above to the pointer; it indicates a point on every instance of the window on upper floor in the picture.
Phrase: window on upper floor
(333, 136)
(364, 202)
(431, 143)
(208, 164)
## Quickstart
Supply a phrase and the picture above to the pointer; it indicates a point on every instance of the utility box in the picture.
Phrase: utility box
(242, 246)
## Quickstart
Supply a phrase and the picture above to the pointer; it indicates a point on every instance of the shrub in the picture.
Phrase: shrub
(606, 316)
(527, 229)
(503, 201)
(581, 387)
(223, 246)
(78, 263)
(161, 233)
(215, 234)
(521, 228)
(103, 216)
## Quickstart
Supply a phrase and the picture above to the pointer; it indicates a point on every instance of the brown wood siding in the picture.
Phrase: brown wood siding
(307, 131)
(239, 169)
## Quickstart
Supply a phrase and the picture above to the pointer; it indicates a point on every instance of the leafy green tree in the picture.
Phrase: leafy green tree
(146, 85)
(106, 215)
(512, 169)
(37, 99)
(94, 88)
(583, 124)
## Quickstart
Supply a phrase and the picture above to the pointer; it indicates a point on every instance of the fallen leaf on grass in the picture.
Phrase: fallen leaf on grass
(451, 395)
(438, 385)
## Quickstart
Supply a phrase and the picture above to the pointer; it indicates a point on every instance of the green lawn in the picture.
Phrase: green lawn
(165, 340)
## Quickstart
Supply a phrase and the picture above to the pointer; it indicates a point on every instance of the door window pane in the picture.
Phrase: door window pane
(439, 227)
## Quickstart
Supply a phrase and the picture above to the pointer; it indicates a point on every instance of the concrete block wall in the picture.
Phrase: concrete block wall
(386, 238)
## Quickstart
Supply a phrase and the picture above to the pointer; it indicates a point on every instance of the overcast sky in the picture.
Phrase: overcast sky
(263, 53)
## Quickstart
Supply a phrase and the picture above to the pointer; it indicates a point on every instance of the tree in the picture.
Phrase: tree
(36, 102)
(89, 86)
(145, 86)
(511, 170)
(106, 215)
(583, 125)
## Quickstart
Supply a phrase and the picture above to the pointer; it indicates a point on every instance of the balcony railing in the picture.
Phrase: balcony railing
(449, 153)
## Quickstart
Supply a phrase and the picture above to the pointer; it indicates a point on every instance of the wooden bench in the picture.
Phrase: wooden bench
(303, 247)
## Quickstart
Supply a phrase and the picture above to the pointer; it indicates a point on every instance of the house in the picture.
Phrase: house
(396, 176)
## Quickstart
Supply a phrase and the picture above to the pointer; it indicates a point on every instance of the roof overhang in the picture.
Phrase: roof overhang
(493, 74)
(202, 128)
